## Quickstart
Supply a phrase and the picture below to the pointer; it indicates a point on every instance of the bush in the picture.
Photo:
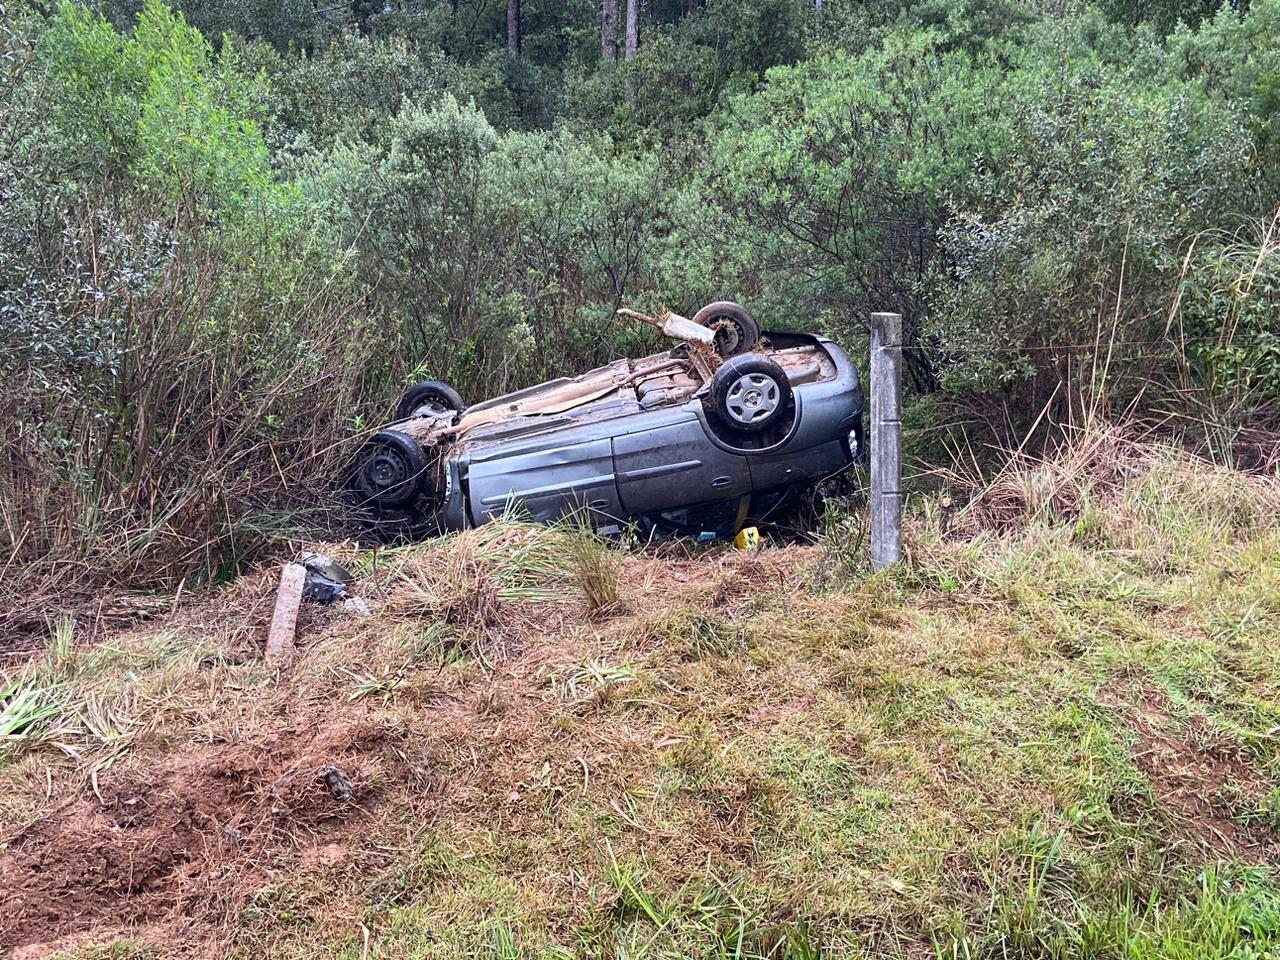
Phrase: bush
(219, 255)
(829, 186)
(493, 262)
(343, 91)
(1225, 314)
(1015, 210)
(1236, 55)
(178, 338)
(1062, 257)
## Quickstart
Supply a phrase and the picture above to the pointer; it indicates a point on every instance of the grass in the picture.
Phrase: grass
(1050, 733)
(598, 569)
(25, 708)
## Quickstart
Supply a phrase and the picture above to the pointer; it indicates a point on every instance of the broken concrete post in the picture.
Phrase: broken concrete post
(284, 619)
(886, 439)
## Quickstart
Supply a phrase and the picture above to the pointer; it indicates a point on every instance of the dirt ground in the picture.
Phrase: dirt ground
(192, 831)
(530, 740)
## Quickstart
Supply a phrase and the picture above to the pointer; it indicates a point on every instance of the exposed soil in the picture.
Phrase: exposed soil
(190, 835)
(195, 832)
(1206, 783)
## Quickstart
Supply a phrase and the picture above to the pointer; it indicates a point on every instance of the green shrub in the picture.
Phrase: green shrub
(1062, 256)
(826, 190)
(178, 341)
(496, 261)
(1226, 314)
(157, 106)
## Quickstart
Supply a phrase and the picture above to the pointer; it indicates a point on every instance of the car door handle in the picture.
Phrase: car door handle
(722, 481)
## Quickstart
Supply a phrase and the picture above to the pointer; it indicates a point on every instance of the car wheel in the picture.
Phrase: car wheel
(436, 395)
(750, 393)
(389, 470)
(735, 328)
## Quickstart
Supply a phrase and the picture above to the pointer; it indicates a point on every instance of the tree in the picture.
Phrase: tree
(514, 26)
(609, 29)
(633, 28)
(835, 178)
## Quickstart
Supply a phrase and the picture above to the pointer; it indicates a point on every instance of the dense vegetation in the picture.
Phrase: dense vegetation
(231, 231)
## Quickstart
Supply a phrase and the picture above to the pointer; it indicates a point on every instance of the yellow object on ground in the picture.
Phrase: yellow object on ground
(748, 538)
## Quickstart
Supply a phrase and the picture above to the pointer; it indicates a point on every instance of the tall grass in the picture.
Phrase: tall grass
(1155, 487)
(191, 414)
(1222, 315)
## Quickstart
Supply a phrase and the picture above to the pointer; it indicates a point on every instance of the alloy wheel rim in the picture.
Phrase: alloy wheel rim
(753, 397)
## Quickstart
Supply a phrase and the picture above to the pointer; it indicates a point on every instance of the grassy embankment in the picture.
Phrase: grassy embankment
(1051, 733)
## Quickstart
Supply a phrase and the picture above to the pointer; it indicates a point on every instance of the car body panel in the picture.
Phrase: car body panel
(672, 463)
(546, 482)
(772, 470)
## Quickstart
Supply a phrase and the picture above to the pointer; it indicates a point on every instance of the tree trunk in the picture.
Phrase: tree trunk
(633, 28)
(515, 28)
(609, 29)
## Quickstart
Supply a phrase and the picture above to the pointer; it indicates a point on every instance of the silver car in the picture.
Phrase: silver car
(687, 440)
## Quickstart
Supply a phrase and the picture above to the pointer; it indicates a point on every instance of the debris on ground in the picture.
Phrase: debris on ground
(337, 783)
(356, 606)
(326, 581)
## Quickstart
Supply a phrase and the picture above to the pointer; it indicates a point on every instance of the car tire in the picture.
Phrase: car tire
(735, 328)
(750, 393)
(390, 469)
(433, 393)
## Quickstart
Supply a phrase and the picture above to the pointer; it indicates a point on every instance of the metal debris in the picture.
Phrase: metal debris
(336, 782)
(326, 580)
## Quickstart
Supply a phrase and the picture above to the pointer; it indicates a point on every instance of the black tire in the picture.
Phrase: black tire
(750, 394)
(390, 470)
(736, 329)
(433, 393)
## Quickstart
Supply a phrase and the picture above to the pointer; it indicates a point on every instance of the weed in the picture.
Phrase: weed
(27, 709)
(111, 721)
(61, 654)
(382, 684)
(588, 678)
(598, 570)
(845, 532)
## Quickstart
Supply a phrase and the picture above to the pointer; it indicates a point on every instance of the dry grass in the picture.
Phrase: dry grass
(1116, 477)
(746, 757)
(598, 571)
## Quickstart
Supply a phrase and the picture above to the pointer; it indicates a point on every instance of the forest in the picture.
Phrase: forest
(232, 231)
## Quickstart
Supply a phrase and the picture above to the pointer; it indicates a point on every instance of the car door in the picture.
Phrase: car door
(548, 482)
(667, 461)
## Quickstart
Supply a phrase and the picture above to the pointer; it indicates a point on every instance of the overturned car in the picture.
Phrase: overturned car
(689, 440)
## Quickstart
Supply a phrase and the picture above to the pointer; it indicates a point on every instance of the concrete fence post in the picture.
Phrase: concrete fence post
(886, 439)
